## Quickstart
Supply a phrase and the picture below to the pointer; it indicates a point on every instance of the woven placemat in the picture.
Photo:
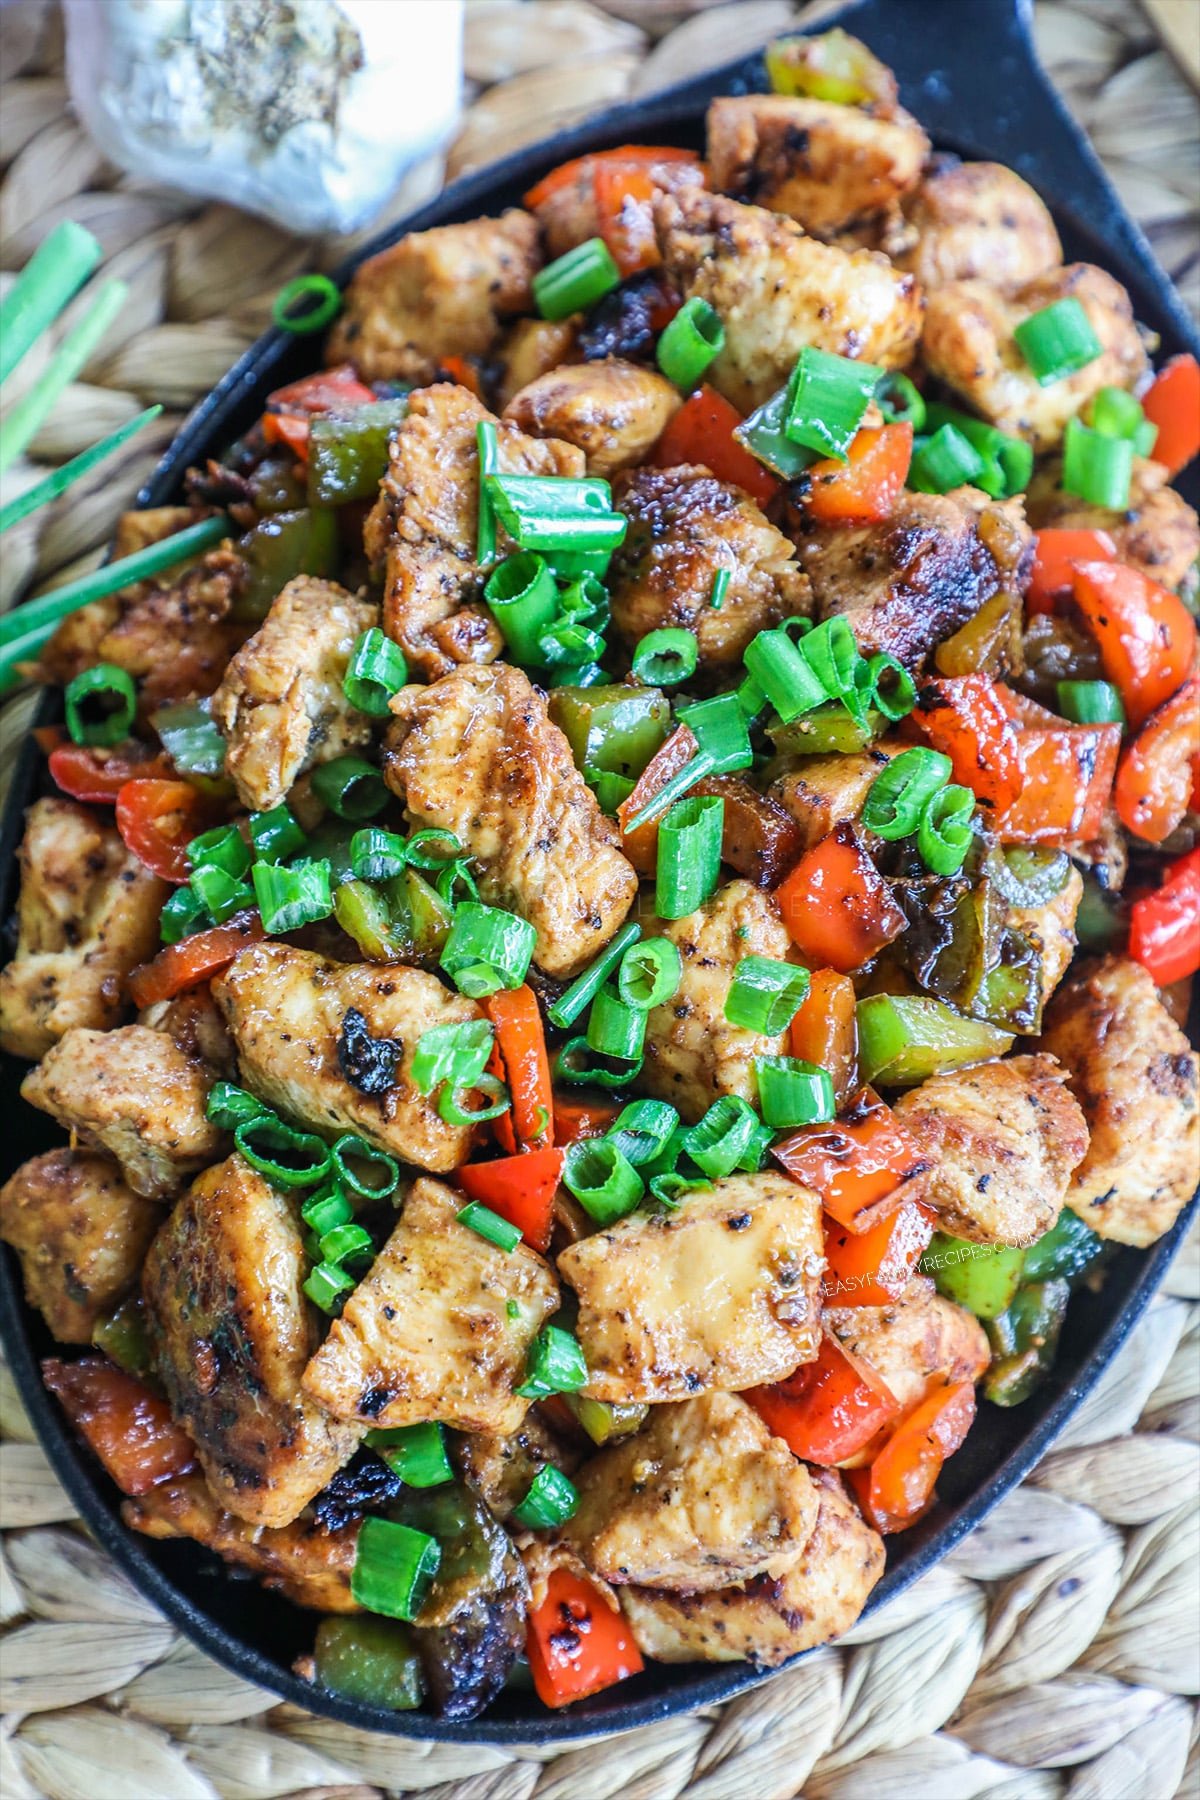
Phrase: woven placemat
(1054, 1652)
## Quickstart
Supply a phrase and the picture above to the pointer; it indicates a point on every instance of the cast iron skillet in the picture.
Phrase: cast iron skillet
(970, 75)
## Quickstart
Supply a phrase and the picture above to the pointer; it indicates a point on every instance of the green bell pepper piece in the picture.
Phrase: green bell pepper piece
(606, 1420)
(427, 917)
(905, 1038)
(277, 485)
(1063, 1252)
(826, 731)
(348, 452)
(370, 1659)
(123, 1337)
(282, 546)
(981, 1277)
(1102, 920)
(1024, 1339)
(363, 913)
(616, 728)
(401, 920)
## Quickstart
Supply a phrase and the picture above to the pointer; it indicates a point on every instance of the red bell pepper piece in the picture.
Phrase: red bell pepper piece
(829, 1409)
(897, 1489)
(965, 718)
(158, 819)
(97, 776)
(859, 1164)
(288, 429)
(129, 1428)
(520, 1188)
(836, 905)
(329, 390)
(624, 156)
(1055, 553)
(824, 1030)
(1146, 635)
(194, 959)
(1154, 778)
(575, 1119)
(873, 1267)
(577, 1642)
(625, 212)
(865, 488)
(1173, 404)
(1164, 927)
(702, 432)
(641, 846)
(1069, 772)
(462, 370)
(521, 1042)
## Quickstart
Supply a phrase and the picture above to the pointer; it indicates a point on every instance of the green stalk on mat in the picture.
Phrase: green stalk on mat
(59, 266)
(59, 480)
(27, 416)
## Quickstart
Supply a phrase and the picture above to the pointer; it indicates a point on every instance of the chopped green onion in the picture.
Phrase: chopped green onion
(556, 512)
(751, 698)
(487, 949)
(556, 1365)
(719, 727)
(488, 441)
(945, 832)
(609, 788)
(59, 480)
(346, 1243)
(416, 1453)
(664, 658)
(393, 1566)
(575, 281)
(453, 1110)
(720, 588)
(897, 699)
(615, 1028)
(602, 1179)
(649, 974)
(325, 1211)
(190, 738)
(350, 787)
(791, 1092)
(58, 267)
(944, 461)
(828, 396)
(550, 1502)
(454, 876)
(229, 1106)
(423, 855)
(222, 848)
(377, 855)
(1090, 703)
(670, 1188)
(576, 1068)
(833, 656)
(1058, 340)
(689, 855)
(690, 342)
(899, 401)
(306, 304)
(257, 1136)
(1097, 468)
(376, 671)
(350, 1145)
(24, 419)
(783, 674)
(1007, 461)
(642, 1130)
(327, 1287)
(765, 994)
(524, 603)
(183, 912)
(221, 893)
(900, 793)
(568, 644)
(455, 1053)
(567, 1008)
(487, 1224)
(722, 1137)
(110, 699)
(751, 1160)
(292, 897)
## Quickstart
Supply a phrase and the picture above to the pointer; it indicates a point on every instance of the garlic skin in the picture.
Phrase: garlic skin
(305, 111)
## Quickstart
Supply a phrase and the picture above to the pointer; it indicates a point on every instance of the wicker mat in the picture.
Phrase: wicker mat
(1054, 1652)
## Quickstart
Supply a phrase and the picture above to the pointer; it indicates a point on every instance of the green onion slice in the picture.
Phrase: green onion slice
(455, 1053)
(828, 396)
(1090, 702)
(549, 512)
(650, 973)
(899, 794)
(791, 1092)
(946, 829)
(765, 994)
(575, 1067)
(665, 658)
(763, 435)
(377, 855)
(1058, 340)
(575, 281)
(899, 401)
(346, 1243)
(783, 674)
(325, 1211)
(616, 1029)
(487, 949)
(1097, 468)
(289, 898)
(722, 1137)
(350, 787)
(327, 1286)
(416, 1453)
(229, 1106)
(393, 1567)
(309, 1159)
(556, 1365)
(190, 737)
(58, 267)
(567, 1008)
(220, 893)
(524, 603)
(222, 848)
(376, 671)
(350, 1145)
(551, 1500)
(893, 690)
(452, 1107)
(689, 855)
(1007, 461)
(488, 1224)
(602, 1179)
(642, 1130)
(183, 913)
(944, 461)
(101, 704)
(433, 848)
(690, 342)
(719, 727)
(308, 303)
(488, 442)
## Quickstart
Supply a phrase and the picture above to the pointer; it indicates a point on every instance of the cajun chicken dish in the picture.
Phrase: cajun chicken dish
(608, 939)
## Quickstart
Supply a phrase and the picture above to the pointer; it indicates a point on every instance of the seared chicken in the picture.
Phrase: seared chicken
(822, 791)
(476, 754)
(529, 348)
(135, 1094)
(193, 1021)
(724, 1293)
(701, 1496)
(916, 1343)
(1051, 929)
(423, 531)
(978, 220)
(778, 290)
(436, 293)
(440, 1328)
(1158, 532)
(280, 705)
(1135, 1075)
(502, 1469)
(1003, 1139)
(823, 164)
(570, 215)
(614, 411)
(233, 1333)
(87, 915)
(693, 1053)
(968, 343)
(773, 1616)
(80, 1233)
(685, 528)
(331, 1044)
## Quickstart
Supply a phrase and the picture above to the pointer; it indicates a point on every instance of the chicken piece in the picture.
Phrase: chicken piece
(434, 294)
(978, 220)
(1134, 1073)
(685, 528)
(503, 1468)
(280, 705)
(822, 791)
(440, 1328)
(570, 215)
(915, 1343)
(81, 1235)
(772, 1617)
(87, 915)
(823, 164)
(701, 1496)
(910, 583)
(1051, 929)
(476, 753)
(778, 290)
(693, 1054)
(529, 348)
(423, 529)
(1003, 1139)
(193, 1021)
(233, 1334)
(177, 638)
(968, 343)
(332, 1044)
(724, 1293)
(1158, 532)
(308, 1565)
(135, 1094)
(614, 411)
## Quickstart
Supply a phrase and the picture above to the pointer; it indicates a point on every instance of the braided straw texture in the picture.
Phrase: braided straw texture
(1056, 1652)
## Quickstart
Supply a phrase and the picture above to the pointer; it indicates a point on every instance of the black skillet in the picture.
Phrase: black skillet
(967, 69)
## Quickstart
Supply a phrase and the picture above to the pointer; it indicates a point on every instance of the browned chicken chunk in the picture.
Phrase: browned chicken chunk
(822, 791)
(978, 220)
(332, 1044)
(724, 1293)
(233, 1334)
(1002, 1139)
(437, 293)
(529, 348)
(773, 1616)
(919, 1341)
(685, 528)
(439, 1329)
(280, 705)
(823, 164)
(193, 1021)
(1135, 1075)
(423, 530)
(701, 1496)
(614, 411)
(476, 754)
(778, 290)
(80, 1233)
(1050, 927)
(135, 1094)
(570, 215)
(504, 1468)
(1158, 532)
(87, 915)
